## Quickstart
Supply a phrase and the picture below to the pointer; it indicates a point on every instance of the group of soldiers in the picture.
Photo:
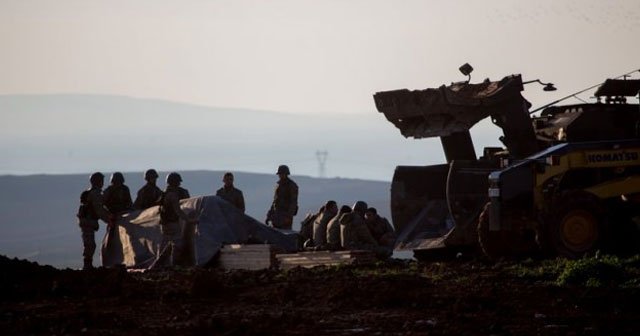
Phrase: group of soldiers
(351, 228)
(116, 199)
(330, 228)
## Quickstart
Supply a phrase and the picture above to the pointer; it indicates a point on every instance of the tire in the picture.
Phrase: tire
(493, 243)
(575, 225)
(515, 243)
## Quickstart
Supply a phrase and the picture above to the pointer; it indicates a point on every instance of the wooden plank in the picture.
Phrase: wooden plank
(248, 257)
(326, 258)
(254, 248)
(262, 256)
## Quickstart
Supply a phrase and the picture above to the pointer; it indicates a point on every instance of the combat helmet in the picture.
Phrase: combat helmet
(360, 206)
(117, 177)
(283, 169)
(96, 178)
(174, 178)
(150, 174)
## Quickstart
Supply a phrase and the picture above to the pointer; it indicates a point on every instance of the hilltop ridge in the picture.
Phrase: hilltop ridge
(129, 134)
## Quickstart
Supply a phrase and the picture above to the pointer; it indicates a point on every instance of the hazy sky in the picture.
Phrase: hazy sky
(307, 56)
(296, 56)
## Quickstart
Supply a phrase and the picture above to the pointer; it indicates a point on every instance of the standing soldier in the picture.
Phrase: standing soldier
(91, 209)
(285, 201)
(182, 192)
(230, 193)
(170, 215)
(149, 195)
(117, 198)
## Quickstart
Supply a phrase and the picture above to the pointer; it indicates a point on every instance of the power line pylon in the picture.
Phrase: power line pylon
(322, 163)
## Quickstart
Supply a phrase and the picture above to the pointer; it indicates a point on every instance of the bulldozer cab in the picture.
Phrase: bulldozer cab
(575, 195)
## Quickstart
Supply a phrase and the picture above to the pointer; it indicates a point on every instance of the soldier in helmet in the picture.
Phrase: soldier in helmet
(333, 229)
(149, 195)
(117, 197)
(380, 228)
(354, 233)
(330, 209)
(177, 179)
(285, 201)
(170, 215)
(90, 211)
(306, 228)
(230, 193)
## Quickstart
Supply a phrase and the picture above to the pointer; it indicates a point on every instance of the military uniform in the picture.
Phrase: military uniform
(117, 198)
(320, 228)
(183, 193)
(148, 196)
(232, 195)
(333, 233)
(90, 211)
(382, 231)
(306, 227)
(285, 204)
(354, 233)
(171, 246)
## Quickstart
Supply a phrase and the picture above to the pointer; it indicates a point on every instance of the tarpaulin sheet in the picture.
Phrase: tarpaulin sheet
(136, 237)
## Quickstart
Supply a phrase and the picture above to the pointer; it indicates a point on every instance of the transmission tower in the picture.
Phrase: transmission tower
(322, 162)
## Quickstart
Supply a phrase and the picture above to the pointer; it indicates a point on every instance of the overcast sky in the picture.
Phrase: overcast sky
(307, 56)
(295, 56)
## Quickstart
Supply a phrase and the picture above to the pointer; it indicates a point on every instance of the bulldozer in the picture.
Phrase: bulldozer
(565, 182)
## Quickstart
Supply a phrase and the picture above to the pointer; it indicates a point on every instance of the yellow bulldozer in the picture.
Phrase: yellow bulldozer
(566, 182)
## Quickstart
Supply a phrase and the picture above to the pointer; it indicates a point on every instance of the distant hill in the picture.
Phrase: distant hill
(37, 212)
(62, 134)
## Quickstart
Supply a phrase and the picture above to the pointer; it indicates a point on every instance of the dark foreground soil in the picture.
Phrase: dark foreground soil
(393, 298)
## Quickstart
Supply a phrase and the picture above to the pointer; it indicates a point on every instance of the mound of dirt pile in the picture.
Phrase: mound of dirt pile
(393, 298)
(24, 280)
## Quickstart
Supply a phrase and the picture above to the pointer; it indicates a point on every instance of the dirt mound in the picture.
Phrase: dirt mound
(23, 279)
(453, 297)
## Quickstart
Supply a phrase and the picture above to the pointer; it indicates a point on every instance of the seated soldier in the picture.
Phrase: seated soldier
(333, 229)
(306, 228)
(330, 209)
(354, 233)
(380, 228)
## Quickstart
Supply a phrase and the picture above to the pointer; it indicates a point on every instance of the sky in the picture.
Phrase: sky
(306, 57)
(303, 56)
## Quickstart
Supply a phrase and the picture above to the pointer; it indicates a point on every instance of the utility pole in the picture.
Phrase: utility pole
(322, 163)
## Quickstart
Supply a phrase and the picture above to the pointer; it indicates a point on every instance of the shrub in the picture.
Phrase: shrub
(593, 272)
(547, 270)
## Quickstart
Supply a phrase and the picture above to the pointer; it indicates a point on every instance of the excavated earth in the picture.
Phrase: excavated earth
(455, 297)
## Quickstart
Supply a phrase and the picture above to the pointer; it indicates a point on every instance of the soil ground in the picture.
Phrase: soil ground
(397, 297)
